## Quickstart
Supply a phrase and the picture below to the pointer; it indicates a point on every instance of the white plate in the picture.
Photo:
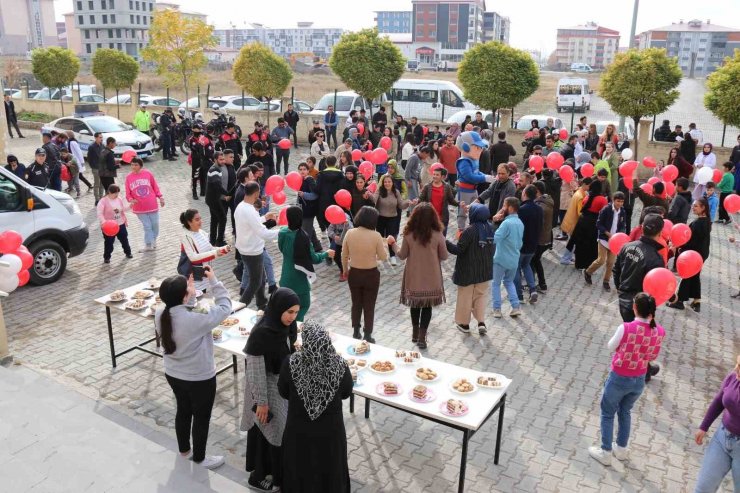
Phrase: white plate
(224, 337)
(500, 378)
(452, 389)
(443, 410)
(235, 332)
(380, 372)
(227, 327)
(129, 306)
(149, 293)
(426, 381)
(359, 368)
(358, 382)
(379, 389)
(351, 351)
(118, 300)
(429, 397)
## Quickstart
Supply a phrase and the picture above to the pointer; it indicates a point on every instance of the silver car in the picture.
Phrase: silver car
(127, 138)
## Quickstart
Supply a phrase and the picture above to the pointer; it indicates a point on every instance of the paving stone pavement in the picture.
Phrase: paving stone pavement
(556, 354)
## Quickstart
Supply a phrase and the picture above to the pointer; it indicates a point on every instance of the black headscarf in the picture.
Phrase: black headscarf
(269, 337)
(301, 245)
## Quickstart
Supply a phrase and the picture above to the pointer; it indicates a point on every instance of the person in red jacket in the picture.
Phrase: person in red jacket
(262, 135)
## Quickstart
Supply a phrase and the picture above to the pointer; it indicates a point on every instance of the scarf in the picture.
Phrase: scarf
(269, 337)
(316, 370)
(479, 216)
(711, 147)
(301, 245)
(582, 159)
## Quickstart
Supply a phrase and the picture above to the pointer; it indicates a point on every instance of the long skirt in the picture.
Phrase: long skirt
(263, 459)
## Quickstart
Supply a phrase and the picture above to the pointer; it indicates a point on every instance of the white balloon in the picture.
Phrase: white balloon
(627, 154)
(703, 175)
(8, 282)
(15, 264)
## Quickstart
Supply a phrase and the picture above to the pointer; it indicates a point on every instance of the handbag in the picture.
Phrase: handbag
(184, 265)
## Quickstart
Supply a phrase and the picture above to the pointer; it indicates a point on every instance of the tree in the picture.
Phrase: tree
(723, 95)
(55, 67)
(494, 75)
(12, 72)
(114, 69)
(366, 63)
(177, 45)
(641, 83)
(261, 73)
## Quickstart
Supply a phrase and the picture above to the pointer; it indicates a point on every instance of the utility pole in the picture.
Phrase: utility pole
(631, 45)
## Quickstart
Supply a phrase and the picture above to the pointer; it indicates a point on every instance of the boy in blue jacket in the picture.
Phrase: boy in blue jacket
(711, 196)
(508, 239)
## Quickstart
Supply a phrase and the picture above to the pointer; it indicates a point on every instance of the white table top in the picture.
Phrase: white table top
(480, 402)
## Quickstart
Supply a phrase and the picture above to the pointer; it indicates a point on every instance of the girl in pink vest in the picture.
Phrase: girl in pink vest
(634, 344)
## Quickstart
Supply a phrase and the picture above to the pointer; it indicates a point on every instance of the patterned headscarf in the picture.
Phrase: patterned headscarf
(316, 369)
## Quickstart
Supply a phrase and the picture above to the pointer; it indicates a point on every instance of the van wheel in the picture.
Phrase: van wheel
(49, 262)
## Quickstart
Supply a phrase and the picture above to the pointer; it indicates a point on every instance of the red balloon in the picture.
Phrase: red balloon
(716, 176)
(627, 168)
(649, 162)
(369, 145)
(563, 134)
(661, 284)
(617, 241)
(689, 264)
(435, 167)
(335, 215)
(128, 156)
(360, 128)
(667, 228)
(732, 203)
(279, 197)
(566, 174)
(670, 188)
(669, 173)
(628, 182)
(283, 216)
(425, 130)
(294, 180)
(372, 187)
(587, 170)
(680, 234)
(536, 163)
(110, 227)
(647, 188)
(385, 143)
(10, 241)
(653, 180)
(554, 160)
(275, 183)
(23, 277)
(366, 155)
(380, 156)
(26, 258)
(284, 144)
(343, 198)
(356, 154)
(367, 169)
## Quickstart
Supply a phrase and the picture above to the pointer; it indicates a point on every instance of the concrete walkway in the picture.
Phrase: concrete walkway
(57, 440)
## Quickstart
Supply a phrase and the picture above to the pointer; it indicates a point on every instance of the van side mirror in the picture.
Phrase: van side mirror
(27, 195)
(85, 131)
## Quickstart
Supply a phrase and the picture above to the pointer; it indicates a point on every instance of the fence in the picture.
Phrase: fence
(713, 129)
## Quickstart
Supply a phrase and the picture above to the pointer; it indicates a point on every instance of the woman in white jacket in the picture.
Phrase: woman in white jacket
(195, 244)
(705, 158)
(74, 148)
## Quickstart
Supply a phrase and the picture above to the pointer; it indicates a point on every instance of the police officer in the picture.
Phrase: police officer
(167, 121)
(201, 158)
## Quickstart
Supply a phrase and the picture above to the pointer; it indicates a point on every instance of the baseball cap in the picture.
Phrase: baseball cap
(46, 134)
(470, 138)
(652, 225)
(128, 156)
(40, 151)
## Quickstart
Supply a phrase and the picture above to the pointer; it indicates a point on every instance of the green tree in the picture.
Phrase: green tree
(177, 45)
(494, 75)
(114, 69)
(367, 63)
(261, 73)
(55, 67)
(723, 95)
(641, 83)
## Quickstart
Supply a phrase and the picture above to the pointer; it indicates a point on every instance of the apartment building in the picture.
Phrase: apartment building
(589, 43)
(304, 38)
(119, 24)
(393, 21)
(25, 25)
(496, 27)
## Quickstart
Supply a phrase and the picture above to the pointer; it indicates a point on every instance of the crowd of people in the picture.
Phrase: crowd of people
(506, 217)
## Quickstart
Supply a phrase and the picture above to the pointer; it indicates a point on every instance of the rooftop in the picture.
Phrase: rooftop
(695, 25)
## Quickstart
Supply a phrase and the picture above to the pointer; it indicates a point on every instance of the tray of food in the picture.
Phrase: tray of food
(490, 381)
(463, 386)
(136, 305)
(422, 394)
(117, 296)
(388, 389)
(142, 294)
(229, 322)
(362, 347)
(408, 357)
(454, 408)
(425, 375)
(358, 364)
(382, 367)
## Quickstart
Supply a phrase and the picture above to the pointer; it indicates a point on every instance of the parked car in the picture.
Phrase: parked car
(127, 138)
(525, 122)
(49, 221)
(87, 98)
(57, 94)
(236, 102)
(13, 93)
(274, 105)
(427, 99)
(581, 68)
(412, 65)
(192, 103)
(460, 116)
(145, 98)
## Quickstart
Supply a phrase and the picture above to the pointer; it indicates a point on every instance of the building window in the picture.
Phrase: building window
(88, 48)
(92, 19)
(138, 7)
(132, 18)
(120, 46)
(118, 33)
(112, 5)
(87, 34)
(79, 6)
(151, 7)
(145, 21)
(131, 4)
(100, 45)
(90, 5)
(105, 19)
(138, 19)
(102, 4)
(80, 19)
(111, 45)
(110, 33)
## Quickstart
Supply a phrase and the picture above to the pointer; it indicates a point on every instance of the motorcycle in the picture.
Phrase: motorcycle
(182, 132)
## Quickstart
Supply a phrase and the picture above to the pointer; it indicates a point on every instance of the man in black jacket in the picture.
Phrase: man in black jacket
(681, 205)
(480, 122)
(501, 151)
(569, 148)
(380, 119)
(231, 185)
(37, 174)
(216, 195)
(531, 216)
(662, 133)
(167, 122)
(230, 140)
(93, 159)
(291, 118)
(417, 130)
(108, 169)
(11, 117)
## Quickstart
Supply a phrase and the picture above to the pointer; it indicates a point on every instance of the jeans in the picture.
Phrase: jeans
(97, 186)
(722, 455)
(110, 240)
(166, 139)
(255, 281)
(13, 122)
(620, 394)
(281, 155)
(500, 274)
(150, 221)
(413, 193)
(525, 264)
(467, 196)
(267, 268)
(331, 133)
(194, 404)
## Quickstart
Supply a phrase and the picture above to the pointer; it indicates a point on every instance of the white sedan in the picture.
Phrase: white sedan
(84, 128)
(460, 116)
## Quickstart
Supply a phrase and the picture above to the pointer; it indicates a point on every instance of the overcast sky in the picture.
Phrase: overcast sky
(533, 25)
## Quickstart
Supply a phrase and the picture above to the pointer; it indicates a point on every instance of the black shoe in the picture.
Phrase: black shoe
(264, 485)
(482, 329)
(606, 286)
(677, 305)
(21, 136)
(356, 334)
(736, 295)
(172, 159)
(272, 289)
(128, 255)
(653, 369)
(587, 277)
(542, 288)
(696, 306)
(465, 329)
(195, 195)
(175, 155)
(106, 261)
(202, 193)
(369, 338)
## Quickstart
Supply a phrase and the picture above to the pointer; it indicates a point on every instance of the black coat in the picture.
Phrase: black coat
(531, 216)
(310, 207)
(37, 175)
(680, 208)
(634, 261)
(663, 134)
(604, 222)
(501, 151)
(291, 117)
(701, 229)
(10, 112)
(214, 187)
(474, 263)
(329, 182)
(584, 236)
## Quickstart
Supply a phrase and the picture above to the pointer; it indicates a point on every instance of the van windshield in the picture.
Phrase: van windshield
(344, 103)
(570, 90)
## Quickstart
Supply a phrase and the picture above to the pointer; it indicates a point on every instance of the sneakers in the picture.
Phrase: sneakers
(621, 453)
(482, 329)
(696, 306)
(561, 237)
(587, 277)
(515, 312)
(128, 255)
(147, 248)
(212, 461)
(678, 305)
(497, 313)
(369, 338)
(542, 289)
(264, 485)
(606, 286)
(465, 329)
(567, 258)
(533, 297)
(601, 455)
(394, 261)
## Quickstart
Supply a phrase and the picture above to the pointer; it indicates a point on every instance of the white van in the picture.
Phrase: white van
(412, 65)
(573, 92)
(343, 102)
(49, 221)
(426, 99)
(581, 67)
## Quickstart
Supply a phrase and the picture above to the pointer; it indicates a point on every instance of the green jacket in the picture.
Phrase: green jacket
(289, 276)
(727, 183)
(141, 121)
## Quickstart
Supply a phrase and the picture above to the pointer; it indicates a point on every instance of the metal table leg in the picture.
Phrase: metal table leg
(463, 461)
(500, 429)
(110, 336)
(367, 408)
(352, 403)
(234, 362)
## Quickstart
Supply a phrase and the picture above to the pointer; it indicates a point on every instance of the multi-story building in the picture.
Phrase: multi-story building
(187, 14)
(700, 47)
(590, 44)
(285, 42)
(496, 27)
(393, 21)
(119, 24)
(25, 25)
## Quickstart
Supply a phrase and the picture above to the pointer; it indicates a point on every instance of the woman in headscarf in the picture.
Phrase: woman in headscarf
(705, 158)
(473, 269)
(265, 412)
(315, 380)
(299, 257)
(585, 232)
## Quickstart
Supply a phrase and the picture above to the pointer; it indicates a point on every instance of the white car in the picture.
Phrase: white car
(127, 138)
(525, 122)
(192, 103)
(145, 98)
(237, 103)
(87, 98)
(460, 116)
(298, 106)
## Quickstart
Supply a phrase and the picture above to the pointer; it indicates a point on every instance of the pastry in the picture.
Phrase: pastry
(420, 392)
(415, 354)
(136, 304)
(217, 334)
(142, 294)
(229, 322)
(400, 354)
(488, 381)
(362, 347)
(455, 406)
(382, 366)
(426, 374)
(462, 385)
(390, 388)
(408, 359)
(117, 295)
(350, 361)
(361, 363)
